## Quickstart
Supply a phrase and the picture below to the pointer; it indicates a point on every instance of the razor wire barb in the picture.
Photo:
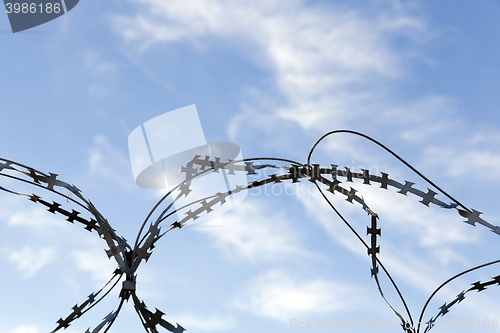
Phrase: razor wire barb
(326, 179)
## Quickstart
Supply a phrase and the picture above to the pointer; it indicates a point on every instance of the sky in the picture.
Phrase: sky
(421, 77)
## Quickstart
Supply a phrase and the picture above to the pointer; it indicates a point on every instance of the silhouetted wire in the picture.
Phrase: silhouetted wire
(199, 200)
(392, 153)
(149, 215)
(42, 187)
(115, 315)
(164, 217)
(106, 294)
(119, 244)
(448, 281)
(378, 260)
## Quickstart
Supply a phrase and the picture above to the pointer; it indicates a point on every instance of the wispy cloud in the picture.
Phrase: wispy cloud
(211, 323)
(103, 73)
(255, 233)
(419, 239)
(333, 66)
(277, 295)
(18, 211)
(95, 262)
(35, 218)
(29, 261)
(109, 164)
(328, 61)
(26, 329)
(476, 162)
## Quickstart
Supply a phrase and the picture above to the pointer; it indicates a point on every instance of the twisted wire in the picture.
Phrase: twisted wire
(129, 258)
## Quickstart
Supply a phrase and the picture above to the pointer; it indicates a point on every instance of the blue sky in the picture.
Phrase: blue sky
(272, 77)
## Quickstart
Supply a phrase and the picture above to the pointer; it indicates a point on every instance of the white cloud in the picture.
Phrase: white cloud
(332, 66)
(254, 232)
(328, 61)
(35, 218)
(93, 62)
(212, 323)
(420, 237)
(95, 262)
(103, 71)
(431, 226)
(28, 261)
(18, 211)
(429, 117)
(26, 329)
(109, 164)
(477, 163)
(278, 296)
(335, 67)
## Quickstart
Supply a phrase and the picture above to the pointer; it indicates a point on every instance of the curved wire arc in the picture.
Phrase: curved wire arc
(393, 154)
(378, 260)
(448, 281)
(132, 259)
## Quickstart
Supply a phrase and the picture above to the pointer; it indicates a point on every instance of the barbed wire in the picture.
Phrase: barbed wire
(332, 179)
